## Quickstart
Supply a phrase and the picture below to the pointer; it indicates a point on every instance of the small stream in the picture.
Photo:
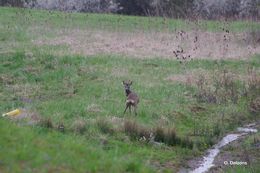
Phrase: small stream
(208, 160)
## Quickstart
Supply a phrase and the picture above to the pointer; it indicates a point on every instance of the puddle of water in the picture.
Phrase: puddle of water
(212, 153)
(247, 130)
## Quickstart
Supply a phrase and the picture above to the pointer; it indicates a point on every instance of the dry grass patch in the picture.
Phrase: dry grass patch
(190, 77)
(25, 91)
(79, 126)
(254, 106)
(209, 45)
(119, 72)
(94, 108)
(193, 77)
(118, 123)
(6, 79)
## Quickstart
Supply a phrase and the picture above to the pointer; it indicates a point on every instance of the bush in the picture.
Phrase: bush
(204, 94)
(216, 9)
(97, 6)
(135, 7)
(15, 3)
(222, 88)
(166, 8)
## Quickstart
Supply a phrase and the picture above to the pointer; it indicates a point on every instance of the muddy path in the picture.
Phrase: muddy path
(216, 158)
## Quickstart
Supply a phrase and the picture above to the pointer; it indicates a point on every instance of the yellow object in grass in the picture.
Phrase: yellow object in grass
(13, 113)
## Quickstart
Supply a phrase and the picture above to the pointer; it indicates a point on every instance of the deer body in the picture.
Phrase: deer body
(132, 98)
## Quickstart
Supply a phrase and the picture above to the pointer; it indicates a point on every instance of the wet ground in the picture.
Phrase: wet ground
(214, 160)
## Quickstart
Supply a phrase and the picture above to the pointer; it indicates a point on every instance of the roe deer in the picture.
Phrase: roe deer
(132, 98)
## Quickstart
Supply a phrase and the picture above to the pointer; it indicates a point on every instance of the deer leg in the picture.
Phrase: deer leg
(127, 105)
(135, 108)
(130, 109)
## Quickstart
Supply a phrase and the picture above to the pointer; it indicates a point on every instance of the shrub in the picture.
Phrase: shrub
(97, 6)
(205, 93)
(222, 88)
(15, 3)
(166, 8)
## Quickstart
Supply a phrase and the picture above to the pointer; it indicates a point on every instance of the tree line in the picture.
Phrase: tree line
(207, 9)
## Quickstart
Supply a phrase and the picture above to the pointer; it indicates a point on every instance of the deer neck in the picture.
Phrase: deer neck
(127, 92)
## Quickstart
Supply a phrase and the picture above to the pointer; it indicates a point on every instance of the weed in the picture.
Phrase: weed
(223, 88)
(79, 126)
(46, 123)
(171, 137)
(105, 126)
(204, 93)
(253, 83)
(168, 136)
(186, 142)
(254, 106)
(159, 134)
(135, 131)
(217, 131)
(253, 38)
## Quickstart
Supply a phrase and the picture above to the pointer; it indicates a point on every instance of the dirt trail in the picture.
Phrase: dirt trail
(215, 162)
(205, 45)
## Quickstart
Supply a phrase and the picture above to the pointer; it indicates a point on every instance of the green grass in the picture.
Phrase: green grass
(50, 84)
(12, 17)
(35, 149)
(69, 88)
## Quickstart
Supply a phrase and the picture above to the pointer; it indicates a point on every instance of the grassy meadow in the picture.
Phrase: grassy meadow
(75, 100)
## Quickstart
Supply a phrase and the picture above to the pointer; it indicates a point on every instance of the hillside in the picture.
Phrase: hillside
(196, 82)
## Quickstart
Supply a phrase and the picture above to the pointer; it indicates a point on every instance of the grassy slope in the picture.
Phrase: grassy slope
(65, 88)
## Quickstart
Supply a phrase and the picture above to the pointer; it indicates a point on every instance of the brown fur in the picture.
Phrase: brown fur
(132, 99)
